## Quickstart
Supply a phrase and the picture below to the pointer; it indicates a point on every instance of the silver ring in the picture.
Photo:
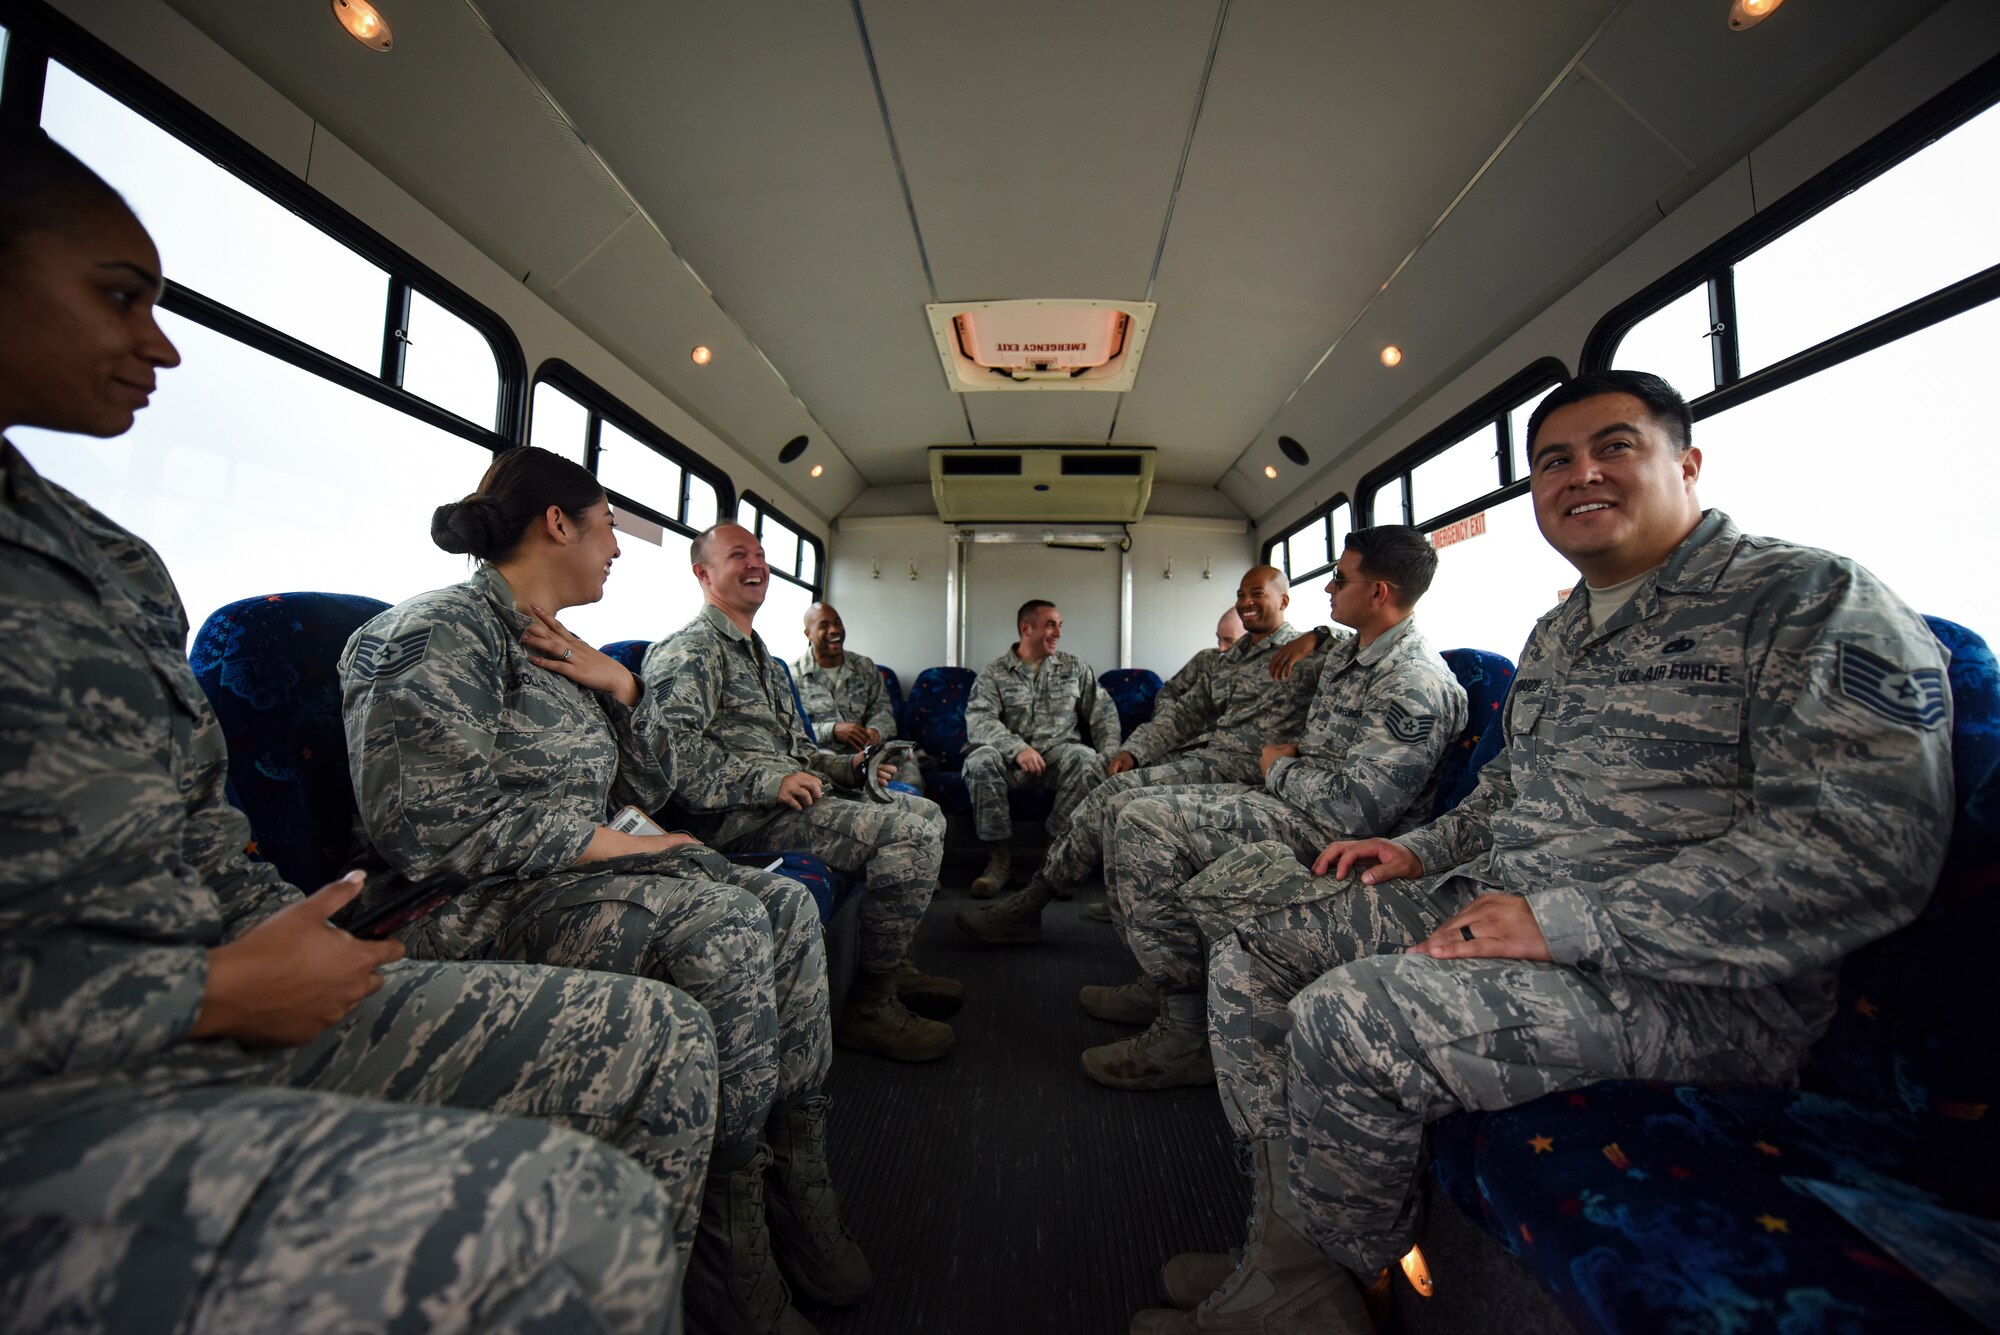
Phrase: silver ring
(567, 653)
(1465, 930)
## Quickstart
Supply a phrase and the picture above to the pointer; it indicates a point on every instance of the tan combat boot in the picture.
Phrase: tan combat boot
(733, 1286)
(999, 866)
(1283, 1285)
(814, 1249)
(1192, 1276)
(1014, 921)
(1136, 1002)
(929, 995)
(877, 1021)
(1172, 1052)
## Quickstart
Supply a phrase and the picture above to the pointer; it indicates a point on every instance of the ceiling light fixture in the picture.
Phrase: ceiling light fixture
(363, 23)
(702, 354)
(1749, 13)
(1392, 355)
(1270, 470)
(818, 469)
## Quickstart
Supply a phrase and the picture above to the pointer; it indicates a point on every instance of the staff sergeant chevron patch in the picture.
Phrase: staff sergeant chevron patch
(1407, 727)
(375, 657)
(1917, 698)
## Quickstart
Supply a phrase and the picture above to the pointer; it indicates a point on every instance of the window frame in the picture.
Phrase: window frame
(1278, 547)
(1714, 265)
(599, 404)
(38, 34)
(816, 586)
(1492, 410)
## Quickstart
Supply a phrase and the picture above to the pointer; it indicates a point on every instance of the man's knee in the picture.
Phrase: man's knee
(984, 761)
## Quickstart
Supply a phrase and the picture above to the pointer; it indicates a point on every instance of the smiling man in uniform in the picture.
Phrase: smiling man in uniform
(1727, 767)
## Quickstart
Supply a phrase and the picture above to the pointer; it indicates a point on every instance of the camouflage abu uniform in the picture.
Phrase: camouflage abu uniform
(1744, 777)
(1183, 681)
(151, 1181)
(857, 695)
(1368, 764)
(722, 703)
(1017, 705)
(1210, 732)
(474, 764)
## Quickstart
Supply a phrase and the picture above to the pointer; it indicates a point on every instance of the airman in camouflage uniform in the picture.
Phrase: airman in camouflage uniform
(721, 703)
(1722, 775)
(1024, 725)
(846, 700)
(1211, 733)
(1386, 710)
(476, 765)
(152, 1179)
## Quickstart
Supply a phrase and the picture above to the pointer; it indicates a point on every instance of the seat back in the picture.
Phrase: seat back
(629, 653)
(937, 704)
(1132, 690)
(270, 669)
(1486, 678)
(893, 685)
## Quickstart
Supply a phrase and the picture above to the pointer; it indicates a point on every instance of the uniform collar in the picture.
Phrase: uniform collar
(1387, 642)
(1012, 658)
(1276, 640)
(32, 516)
(1696, 566)
(719, 621)
(493, 586)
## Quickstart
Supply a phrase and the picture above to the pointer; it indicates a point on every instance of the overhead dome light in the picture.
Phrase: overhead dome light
(1294, 451)
(702, 354)
(817, 469)
(1392, 355)
(793, 449)
(1270, 470)
(1749, 13)
(363, 23)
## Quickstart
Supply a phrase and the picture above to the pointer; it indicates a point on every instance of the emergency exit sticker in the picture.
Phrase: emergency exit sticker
(1470, 527)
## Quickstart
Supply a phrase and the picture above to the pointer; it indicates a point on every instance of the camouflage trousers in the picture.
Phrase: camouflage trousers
(364, 1182)
(1326, 1034)
(745, 944)
(1072, 770)
(898, 846)
(1163, 840)
(1080, 850)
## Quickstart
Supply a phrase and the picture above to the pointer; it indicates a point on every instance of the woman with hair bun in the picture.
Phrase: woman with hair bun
(488, 746)
(219, 1113)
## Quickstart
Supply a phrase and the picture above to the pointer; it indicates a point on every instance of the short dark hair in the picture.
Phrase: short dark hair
(1399, 554)
(519, 487)
(1663, 402)
(43, 186)
(1028, 609)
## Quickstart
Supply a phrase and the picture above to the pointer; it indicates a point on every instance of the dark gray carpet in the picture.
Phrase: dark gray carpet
(999, 1190)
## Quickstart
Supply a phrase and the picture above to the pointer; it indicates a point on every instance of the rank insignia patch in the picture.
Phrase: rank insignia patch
(1896, 693)
(376, 658)
(1407, 727)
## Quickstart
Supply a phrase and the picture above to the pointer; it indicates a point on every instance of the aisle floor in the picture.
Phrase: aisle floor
(999, 1190)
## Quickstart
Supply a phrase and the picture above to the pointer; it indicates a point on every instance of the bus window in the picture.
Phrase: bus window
(1672, 343)
(1925, 223)
(450, 363)
(559, 423)
(1490, 586)
(1517, 430)
(635, 470)
(251, 476)
(1457, 474)
(652, 591)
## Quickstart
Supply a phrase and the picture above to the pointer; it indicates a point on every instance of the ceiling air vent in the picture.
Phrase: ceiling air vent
(1040, 344)
(1041, 483)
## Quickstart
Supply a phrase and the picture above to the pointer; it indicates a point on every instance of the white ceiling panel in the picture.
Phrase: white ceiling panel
(755, 141)
(1042, 149)
(486, 158)
(1302, 195)
(1048, 418)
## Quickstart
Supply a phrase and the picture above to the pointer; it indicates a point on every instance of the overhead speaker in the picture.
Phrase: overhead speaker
(1294, 451)
(793, 449)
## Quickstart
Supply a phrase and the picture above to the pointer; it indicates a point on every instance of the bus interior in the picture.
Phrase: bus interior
(960, 305)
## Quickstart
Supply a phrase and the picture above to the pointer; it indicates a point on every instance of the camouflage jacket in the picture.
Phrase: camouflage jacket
(1234, 706)
(1014, 707)
(1375, 737)
(1183, 681)
(121, 862)
(472, 763)
(1745, 776)
(859, 697)
(724, 706)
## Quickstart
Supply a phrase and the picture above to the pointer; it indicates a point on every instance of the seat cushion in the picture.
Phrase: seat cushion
(1486, 678)
(270, 669)
(1132, 690)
